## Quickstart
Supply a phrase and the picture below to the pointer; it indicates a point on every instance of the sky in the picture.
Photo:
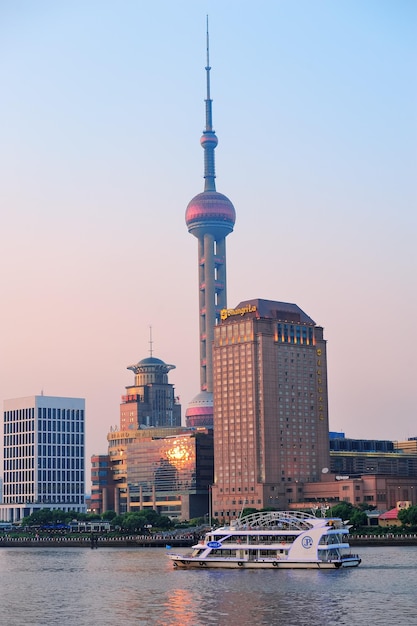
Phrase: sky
(102, 109)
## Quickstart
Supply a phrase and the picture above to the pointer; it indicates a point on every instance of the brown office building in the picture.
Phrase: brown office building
(271, 429)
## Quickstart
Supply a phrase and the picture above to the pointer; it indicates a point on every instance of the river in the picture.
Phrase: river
(138, 586)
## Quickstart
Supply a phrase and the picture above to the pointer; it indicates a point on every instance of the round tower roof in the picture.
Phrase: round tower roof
(202, 401)
(151, 360)
(200, 410)
(151, 364)
(210, 211)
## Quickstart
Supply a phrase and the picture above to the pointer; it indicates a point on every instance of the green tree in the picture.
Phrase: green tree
(403, 516)
(155, 520)
(117, 521)
(412, 515)
(248, 511)
(408, 517)
(44, 517)
(344, 510)
(133, 522)
(109, 515)
(365, 506)
(92, 517)
(358, 518)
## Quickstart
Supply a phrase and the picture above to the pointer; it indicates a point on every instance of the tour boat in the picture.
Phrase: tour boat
(273, 539)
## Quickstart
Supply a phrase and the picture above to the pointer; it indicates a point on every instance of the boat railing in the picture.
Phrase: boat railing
(250, 539)
(288, 520)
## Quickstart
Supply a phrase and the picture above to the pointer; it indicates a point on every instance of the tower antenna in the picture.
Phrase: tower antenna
(209, 139)
(150, 340)
(208, 68)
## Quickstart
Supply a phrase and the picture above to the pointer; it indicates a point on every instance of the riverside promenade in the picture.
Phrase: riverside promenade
(388, 539)
(97, 541)
(160, 541)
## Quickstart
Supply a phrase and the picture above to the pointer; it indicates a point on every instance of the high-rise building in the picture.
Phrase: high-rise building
(119, 441)
(271, 430)
(151, 401)
(171, 475)
(210, 216)
(148, 410)
(102, 484)
(43, 455)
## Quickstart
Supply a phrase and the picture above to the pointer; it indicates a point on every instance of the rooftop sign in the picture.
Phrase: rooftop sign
(225, 313)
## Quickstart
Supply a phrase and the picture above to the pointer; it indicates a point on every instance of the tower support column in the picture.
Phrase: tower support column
(210, 307)
(221, 273)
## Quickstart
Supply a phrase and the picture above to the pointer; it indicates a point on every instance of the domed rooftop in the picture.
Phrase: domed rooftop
(200, 410)
(210, 211)
(202, 400)
(151, 364)
(151, 360)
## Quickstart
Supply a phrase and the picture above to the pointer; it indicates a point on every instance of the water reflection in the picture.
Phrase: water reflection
(80, 587)
(179, 610)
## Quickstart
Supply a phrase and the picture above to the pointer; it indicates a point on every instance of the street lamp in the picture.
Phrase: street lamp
(209, 496)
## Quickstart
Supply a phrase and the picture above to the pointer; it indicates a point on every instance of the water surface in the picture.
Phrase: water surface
(112, 586)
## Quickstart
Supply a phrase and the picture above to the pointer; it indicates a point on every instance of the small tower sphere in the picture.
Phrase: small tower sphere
(209, 140)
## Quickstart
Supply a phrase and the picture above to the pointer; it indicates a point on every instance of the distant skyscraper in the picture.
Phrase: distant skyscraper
(43, 455)
(148, 409)
(271, 432)
(102, 484)
(210, 216)
(151, 400)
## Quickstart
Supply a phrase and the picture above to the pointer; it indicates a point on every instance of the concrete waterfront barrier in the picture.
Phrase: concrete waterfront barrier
(86, 542)
(159, 541)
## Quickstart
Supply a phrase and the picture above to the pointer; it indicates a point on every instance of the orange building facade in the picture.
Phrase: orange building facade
(270, 406)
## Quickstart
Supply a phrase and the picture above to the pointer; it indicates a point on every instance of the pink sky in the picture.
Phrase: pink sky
(314, 105)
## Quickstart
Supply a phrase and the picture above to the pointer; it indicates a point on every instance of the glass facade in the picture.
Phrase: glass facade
(166, 473)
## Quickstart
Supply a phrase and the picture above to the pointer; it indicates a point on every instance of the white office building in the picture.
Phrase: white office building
(43, 456)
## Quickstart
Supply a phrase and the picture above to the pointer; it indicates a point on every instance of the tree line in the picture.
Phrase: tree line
(145, 520)
(132, 522)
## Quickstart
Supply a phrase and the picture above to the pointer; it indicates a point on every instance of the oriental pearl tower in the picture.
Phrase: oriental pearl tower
(210, 216)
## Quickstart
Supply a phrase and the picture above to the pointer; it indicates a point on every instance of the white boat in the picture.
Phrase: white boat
(273, 539)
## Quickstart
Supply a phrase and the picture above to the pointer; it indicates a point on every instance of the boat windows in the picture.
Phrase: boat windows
(222, 553)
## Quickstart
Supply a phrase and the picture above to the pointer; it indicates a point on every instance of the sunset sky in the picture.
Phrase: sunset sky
(102, 109)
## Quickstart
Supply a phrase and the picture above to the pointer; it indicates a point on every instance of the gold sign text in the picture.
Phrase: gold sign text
(225, 313)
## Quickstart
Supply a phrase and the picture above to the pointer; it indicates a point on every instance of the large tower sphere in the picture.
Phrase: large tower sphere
(210, 212)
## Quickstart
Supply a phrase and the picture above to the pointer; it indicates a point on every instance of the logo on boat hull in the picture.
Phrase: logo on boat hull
(307, 542)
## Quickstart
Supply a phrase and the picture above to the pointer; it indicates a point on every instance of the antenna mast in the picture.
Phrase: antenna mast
(150, 340)
(209, 139)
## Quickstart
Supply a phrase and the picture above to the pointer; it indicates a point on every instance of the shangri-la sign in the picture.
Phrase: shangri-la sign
(225, 313)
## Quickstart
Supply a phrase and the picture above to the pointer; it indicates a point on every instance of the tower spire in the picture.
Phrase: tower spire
(150, 341)
(209, 123)
(209, 140)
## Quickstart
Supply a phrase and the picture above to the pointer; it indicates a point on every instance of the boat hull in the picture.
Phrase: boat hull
(182, 562)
